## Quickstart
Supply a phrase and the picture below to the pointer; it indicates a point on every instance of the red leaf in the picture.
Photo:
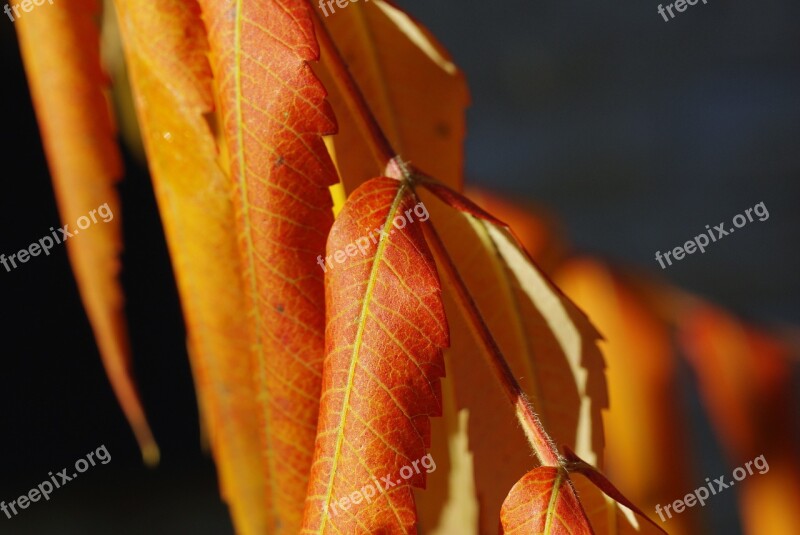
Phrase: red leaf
(544, 502)
(384, 339)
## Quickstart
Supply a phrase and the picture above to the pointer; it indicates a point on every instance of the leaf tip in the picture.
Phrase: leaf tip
(151, 454)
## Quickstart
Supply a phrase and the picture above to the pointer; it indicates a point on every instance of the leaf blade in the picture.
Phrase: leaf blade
(548, 342)
(395, 284)
(544, 502)
(413, 88)
(60, 50)
(273, 116)
(166, 52)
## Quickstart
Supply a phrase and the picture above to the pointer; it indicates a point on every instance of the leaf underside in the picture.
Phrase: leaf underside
(543, 503)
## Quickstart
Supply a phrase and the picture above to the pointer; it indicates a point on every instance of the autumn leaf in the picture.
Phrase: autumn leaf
(487, 277)
(173, 87)
(544, 502)
(548, 343)
(411, 85)
(384, 339)
(273, 116)
(60, 50)
(647, 451)
(419, 96)
(745, 381)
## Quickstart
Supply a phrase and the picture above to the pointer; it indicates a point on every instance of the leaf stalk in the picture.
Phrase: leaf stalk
(543, 446)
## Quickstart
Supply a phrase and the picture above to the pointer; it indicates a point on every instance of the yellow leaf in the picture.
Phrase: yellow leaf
(415, 91)
(166, 50)
(548, 342)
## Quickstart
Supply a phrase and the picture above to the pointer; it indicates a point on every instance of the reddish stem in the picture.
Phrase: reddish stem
(540, 441)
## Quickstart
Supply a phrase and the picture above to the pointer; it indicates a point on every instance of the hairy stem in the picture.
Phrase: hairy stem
(540, 441)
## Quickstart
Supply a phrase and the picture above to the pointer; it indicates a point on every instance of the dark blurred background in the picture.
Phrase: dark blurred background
(635, 131)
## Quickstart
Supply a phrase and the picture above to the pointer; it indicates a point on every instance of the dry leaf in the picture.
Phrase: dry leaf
(60, 50)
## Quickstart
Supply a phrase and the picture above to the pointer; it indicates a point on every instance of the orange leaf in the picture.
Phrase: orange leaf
(60, 49)
(167, 57)
(419, 96)
(745, 379)
(647, 451)
(544, 502)
(273, 115)
(415, 91)
(384, 339)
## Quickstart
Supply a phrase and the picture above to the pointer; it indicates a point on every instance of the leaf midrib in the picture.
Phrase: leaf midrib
(551, 506)
(259, 348)
(373, 277)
